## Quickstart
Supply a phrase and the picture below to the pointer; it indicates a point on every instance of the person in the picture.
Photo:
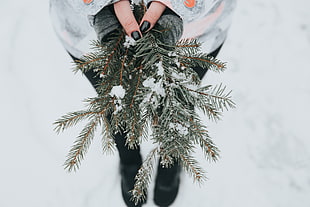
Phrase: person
(76, 22)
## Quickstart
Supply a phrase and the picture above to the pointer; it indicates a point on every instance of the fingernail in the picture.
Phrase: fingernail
(135, 35)
(145, 26)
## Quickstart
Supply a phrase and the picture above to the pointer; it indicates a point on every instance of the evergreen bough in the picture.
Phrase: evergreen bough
(147, 85)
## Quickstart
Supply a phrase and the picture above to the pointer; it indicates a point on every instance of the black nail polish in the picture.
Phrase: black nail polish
(135, 35)
(145, 26)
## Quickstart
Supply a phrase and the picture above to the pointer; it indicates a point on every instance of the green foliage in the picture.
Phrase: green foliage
(149, 85)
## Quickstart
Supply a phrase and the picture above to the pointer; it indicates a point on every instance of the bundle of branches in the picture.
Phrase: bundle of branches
(148, 86)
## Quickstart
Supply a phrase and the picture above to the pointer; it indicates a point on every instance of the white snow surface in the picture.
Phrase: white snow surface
(264, 142)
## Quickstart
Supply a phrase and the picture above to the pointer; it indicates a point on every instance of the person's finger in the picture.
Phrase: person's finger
(151, 16)
(126, 18)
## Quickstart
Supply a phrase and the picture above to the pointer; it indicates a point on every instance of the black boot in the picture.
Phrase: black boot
(167, 185)
(128, 173)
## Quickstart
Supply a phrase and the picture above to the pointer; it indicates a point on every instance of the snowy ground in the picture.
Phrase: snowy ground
(264, 141)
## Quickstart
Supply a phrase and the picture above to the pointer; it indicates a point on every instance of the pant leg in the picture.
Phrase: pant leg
(127, 156)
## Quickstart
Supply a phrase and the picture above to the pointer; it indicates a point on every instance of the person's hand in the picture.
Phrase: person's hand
(107, 20)
(126, 18)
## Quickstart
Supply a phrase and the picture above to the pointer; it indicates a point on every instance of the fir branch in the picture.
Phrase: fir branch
(191, 166)
(191, 44)
(107, 140)
(206, 62)
(122, 67)
(83, 64)
(143, 177)
(133, 137)
(217, 97)
(137, 87)
(210, 150)
(81, 145)
(110, 56)
(71, 119)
